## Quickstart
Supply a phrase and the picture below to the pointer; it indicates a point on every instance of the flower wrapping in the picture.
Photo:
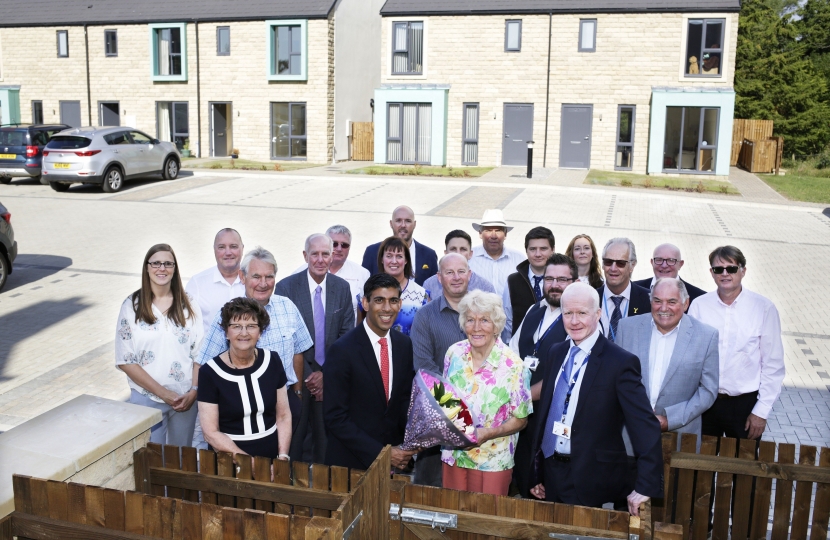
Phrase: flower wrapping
(432, 424)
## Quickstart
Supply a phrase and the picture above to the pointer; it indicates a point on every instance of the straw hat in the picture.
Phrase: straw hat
(492, 218)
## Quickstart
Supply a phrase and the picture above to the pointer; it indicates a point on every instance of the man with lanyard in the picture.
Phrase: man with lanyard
(618, 296)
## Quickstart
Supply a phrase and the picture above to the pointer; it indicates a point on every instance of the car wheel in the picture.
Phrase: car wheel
(113, 180)
(5, 179)
(4, 270)
(58, 186)
(44, 181)
(171, 169)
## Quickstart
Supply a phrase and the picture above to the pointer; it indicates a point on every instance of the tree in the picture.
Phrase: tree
(814, 29)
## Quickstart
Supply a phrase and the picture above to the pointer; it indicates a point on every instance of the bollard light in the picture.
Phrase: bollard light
(530, 159)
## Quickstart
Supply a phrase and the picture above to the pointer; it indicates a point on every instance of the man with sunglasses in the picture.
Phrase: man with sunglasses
(666, 263)
(619, 297)
(750, 349)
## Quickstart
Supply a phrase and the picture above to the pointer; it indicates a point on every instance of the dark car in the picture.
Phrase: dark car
(21, 150)
(8, 247)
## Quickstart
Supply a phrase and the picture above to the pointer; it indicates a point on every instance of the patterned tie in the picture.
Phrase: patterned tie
(319, 327)
(384, 367)
(616, 315)
(557, 404)
(536, 289)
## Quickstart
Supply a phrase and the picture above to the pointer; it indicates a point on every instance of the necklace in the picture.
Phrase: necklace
(234, 366)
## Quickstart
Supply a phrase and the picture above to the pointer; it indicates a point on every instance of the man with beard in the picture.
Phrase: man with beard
(541, 329)
(424, 259)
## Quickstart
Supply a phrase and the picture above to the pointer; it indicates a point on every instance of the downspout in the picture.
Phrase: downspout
(198, 96)
(547, 95)
(88, 89)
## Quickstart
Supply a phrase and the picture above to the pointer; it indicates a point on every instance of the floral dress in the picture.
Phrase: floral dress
(413, 298)
(499, 390)
(164, 350)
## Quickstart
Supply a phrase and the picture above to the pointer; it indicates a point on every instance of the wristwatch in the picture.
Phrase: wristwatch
(298, 392)
(194, 387)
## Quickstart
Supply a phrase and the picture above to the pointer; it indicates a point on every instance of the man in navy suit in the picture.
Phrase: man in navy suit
(591, 389)
(368, 380)
(666, 263)
(619, 297)
(424, 259)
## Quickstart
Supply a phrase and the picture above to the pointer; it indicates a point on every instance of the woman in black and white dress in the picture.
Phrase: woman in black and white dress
(243, 401)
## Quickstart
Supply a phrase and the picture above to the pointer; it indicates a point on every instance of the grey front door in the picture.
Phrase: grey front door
(71, 113)
(110, 114)
(221, 125)
(518, 129)
(575, 136)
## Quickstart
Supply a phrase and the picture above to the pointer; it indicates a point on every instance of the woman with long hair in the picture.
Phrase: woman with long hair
(157, 341)
(583, 251)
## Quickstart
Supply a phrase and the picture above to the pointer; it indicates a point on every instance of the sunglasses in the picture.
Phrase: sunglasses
(611, 262)
(728, 269)
(344, 245)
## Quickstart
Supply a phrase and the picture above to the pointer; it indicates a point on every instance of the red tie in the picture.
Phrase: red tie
(384, 367)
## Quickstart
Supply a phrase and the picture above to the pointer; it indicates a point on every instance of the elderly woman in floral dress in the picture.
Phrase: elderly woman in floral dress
(495, 385)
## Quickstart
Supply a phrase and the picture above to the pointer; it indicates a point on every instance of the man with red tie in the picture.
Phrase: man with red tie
(368, 380)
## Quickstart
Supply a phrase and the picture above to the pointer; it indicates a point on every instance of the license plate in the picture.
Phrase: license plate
(61, 165)
(8, 156)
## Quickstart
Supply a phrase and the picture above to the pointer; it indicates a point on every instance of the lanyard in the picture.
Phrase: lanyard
(543, 336)
(608, 316)
(574, 378)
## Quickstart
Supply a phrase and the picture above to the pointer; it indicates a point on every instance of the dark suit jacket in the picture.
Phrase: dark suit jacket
(521, 292)
(426, 261)
(339, 311)
(639, 302)
(359, 421)
(693, 291)
(612, 395)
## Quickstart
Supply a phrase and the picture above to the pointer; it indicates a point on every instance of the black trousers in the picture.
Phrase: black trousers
(308, 424)
(727, 416)
(560, 485)
(429, 468)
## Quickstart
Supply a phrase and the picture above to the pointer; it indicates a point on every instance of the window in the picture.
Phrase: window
(223, 41)
(409, 133)
(691, 140)
(625, 137)
(140, 138)
(587, 35)
(469, 151)
(111, 42)
(168, 46)
(288, 50)
(63, 43)
(120, 137)
(408, 48)
(172, 123)
(513, 36)
(288, 131)
(37, 112)
(704, 47)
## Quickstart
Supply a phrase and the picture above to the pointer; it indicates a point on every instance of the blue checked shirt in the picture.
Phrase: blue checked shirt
(287, 335)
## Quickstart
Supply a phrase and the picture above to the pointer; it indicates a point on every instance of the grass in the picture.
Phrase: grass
(693, 185)
(797, 187)
(420, 170)
(250, 165)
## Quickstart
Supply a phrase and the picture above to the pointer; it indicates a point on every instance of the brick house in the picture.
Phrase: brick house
(635, 85)
(259, 76)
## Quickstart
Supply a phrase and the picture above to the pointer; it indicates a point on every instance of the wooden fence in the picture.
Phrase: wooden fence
(363, 141)
(751, 130)
(741, 511)
(762, 156)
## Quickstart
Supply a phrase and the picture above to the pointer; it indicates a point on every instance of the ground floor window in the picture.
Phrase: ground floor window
(470, 135)
(691, 140)
(409, 133)
(37, 112)
(288, 131)
(172, 123)
(625, 137)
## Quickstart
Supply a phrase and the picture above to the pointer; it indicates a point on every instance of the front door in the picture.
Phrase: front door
(221, 128)
(110, 114)
(575, 137)
(518, 130)
(71, 113)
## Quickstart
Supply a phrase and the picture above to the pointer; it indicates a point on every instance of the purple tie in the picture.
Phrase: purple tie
(319, 327)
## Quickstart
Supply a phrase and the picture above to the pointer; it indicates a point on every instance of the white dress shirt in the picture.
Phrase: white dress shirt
(563, 446)
(608, 307)
(496, 270)
(661, 348)
(551, 315)
(312, 288)
(212, 291)
(749, 345)
(375, 339)
(355, 274)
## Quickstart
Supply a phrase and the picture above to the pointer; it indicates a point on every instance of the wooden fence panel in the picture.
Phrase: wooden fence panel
(803, 495)
(189, 463)
(363, 141)
(751, 129)
(207, 466)
(685, 487)
(703, 492)
(301, 479)
(743, 492)
(262, 473)
(723, 493)
(244, 472)
(763, 492)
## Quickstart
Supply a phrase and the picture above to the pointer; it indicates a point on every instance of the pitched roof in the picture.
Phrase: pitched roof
(494, 7)
(78, 12)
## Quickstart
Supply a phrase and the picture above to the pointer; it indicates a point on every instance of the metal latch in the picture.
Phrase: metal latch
(561, 536)
(350, 529)
(438, 520)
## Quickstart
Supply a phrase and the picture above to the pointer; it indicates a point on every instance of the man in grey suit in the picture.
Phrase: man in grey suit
(678, 357)
(324, 301)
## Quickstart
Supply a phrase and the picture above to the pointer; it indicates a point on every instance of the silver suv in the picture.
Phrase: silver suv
(106, 156)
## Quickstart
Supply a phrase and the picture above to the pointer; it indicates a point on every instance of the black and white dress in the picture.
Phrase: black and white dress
(247, 400)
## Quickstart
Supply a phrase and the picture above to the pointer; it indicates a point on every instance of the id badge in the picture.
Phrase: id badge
(562, 430)
(531, 362)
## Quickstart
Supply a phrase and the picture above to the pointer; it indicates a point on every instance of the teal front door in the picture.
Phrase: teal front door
(9, 105)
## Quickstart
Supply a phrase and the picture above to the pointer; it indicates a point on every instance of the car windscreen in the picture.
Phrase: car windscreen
(9, 137)
(67, 142)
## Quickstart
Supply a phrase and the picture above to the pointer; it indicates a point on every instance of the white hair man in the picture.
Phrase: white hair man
(619, 297)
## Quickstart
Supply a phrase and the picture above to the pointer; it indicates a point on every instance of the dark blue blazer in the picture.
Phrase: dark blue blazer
(693, 291)
(426, 261)
(639, 302)
(359, 422)
(612, 395)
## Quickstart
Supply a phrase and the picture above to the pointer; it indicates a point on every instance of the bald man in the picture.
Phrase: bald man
(666, 263)
(424, 259)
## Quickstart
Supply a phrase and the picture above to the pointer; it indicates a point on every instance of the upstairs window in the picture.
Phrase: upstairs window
(513, 36)
(408, 48)
(288, 50)
(704, 47)
(111, 42)
(63, 43)
(587, 35)
(168, 45)
(223, 41)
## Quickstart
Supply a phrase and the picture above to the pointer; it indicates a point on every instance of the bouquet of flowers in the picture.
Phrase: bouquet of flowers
(437, 415)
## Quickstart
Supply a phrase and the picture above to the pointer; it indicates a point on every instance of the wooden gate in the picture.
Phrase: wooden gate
(363, 141)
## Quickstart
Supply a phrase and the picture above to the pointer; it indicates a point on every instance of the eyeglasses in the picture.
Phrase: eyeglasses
(611, 262)
(660, 260)
(558, 279)
(344, 245)
(728, 269)
(159, 264)
(250, 328)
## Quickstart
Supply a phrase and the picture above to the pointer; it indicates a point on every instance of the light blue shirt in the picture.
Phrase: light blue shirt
(477, 283)
(496, 270)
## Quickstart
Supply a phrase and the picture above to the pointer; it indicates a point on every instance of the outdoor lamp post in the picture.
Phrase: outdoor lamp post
(530, 159)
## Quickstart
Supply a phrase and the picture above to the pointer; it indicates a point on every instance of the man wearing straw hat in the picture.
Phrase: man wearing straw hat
(492, 260)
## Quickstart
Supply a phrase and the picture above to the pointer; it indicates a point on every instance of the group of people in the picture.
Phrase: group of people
(570, 369)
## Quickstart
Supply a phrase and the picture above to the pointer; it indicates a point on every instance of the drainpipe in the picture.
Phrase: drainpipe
(547, 96)
(198, 96)
(88, 89)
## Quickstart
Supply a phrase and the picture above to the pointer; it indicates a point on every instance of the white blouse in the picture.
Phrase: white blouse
(165, 351)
